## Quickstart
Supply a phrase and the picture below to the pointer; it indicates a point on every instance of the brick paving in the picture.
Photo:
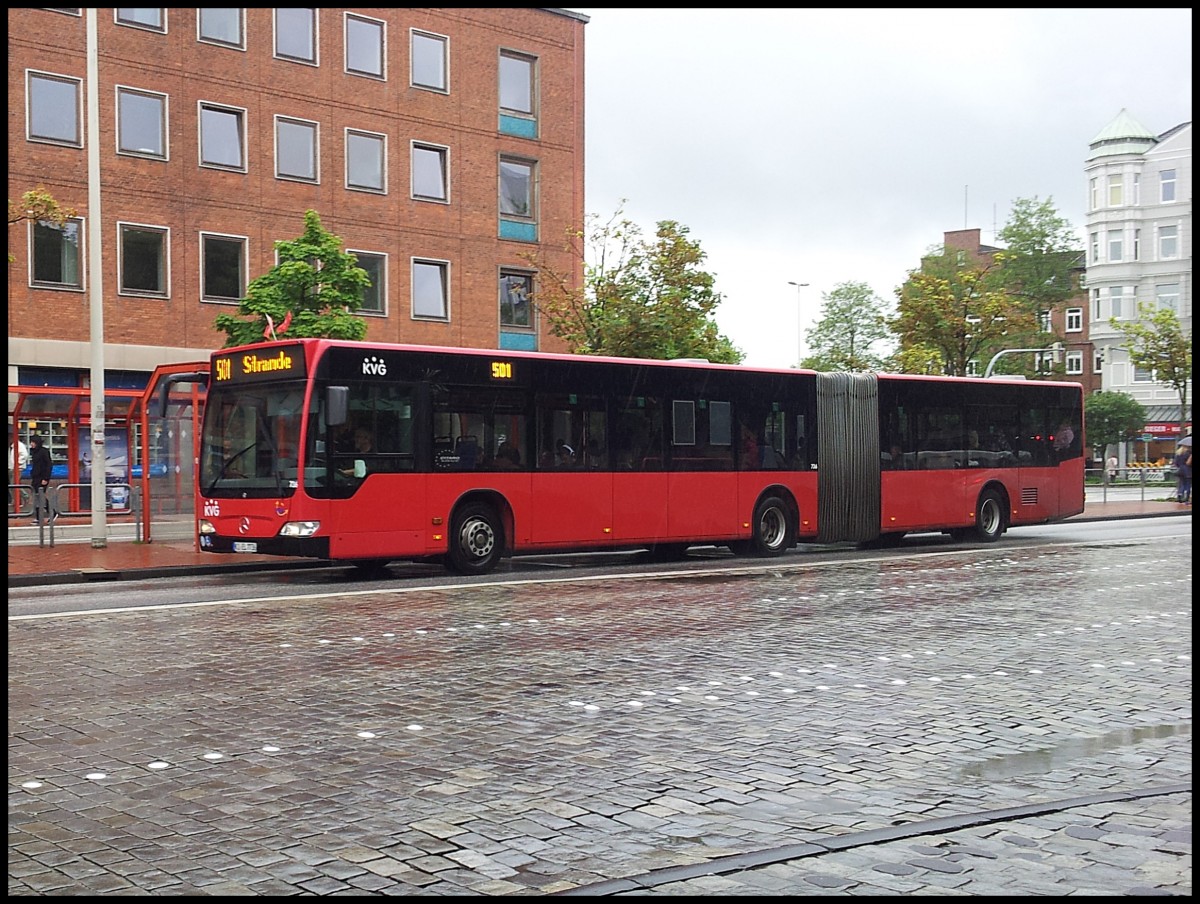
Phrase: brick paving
(808, 729)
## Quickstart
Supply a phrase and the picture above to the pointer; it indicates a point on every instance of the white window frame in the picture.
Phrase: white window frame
(443, 154)
(1116, 303)
(383, 270)
(1094, 193)
(163, 127)
(1074, 362)
(316, 38)
(240, 44)
(161, 28)
(347, 18)
(383, 161)
(165, 231)
(1163, 240)
(30, 76)
(1116, 245)
(34, 283)
(1167, 186)
(244, 256)
(444, 42)
(315, 179)
(441, 266)
(1116, 191)
(1073, 320)
(1095, 243)
(243, 131)
(1098, 361)
(1166, 297)
(531, 62)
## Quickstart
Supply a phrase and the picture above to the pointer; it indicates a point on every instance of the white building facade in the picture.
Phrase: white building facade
(1139, 251)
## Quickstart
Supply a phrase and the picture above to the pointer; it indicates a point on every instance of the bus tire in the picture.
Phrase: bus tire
(476, 539)
(989, 517)
(772, 530)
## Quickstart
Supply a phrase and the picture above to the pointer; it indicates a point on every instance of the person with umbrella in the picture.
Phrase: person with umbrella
(1183, 471)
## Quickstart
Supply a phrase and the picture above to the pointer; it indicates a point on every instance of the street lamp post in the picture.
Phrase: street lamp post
(799, 320)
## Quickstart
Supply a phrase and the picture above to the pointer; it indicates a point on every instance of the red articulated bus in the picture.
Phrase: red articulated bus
(366, 453)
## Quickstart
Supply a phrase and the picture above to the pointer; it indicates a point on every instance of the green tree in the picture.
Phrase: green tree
(1039, 264)
(852, 322)
(1156, 342)
(957, 309)
(40, 206)
(1112, 418)
(639, 298)
(315, 281)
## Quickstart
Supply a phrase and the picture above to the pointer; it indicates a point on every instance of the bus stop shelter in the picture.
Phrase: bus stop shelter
(151, 445)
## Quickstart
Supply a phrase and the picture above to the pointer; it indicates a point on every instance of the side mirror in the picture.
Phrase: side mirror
(337, 405)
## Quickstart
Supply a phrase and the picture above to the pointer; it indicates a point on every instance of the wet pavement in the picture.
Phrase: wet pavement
(982, 721)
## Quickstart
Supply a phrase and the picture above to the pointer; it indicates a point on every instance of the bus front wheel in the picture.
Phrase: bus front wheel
(476, 539)
(773, 530)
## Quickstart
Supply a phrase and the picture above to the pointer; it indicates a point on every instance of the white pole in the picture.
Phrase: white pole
(95, 272)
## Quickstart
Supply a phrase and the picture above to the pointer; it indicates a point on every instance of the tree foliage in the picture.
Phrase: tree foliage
(315, 281)
(956, 310)
(1038, 265)
(40, 206)
(1112, 418)
(852, 322)
(1156, 342)
(639, 298)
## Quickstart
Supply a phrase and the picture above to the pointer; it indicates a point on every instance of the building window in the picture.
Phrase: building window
(1044, 321)
(1074, 320)
(366, 46)
(1074, 361)
(222, 137)
(1098, 361)
(1137, 189)
(296, 35)
(1095, 245)
(1116, 302)
(429, 172)
(142, 261)
(150, 19)
(1166, 186)
(53, 109)
(516, 83)
(69, 10)
(1094, 193)
(56, 257)
(516, 188)
(1137, 244)
(516, 294)
(429, 53)
(296, 154)
(1116, 245)
(365, 156)
(1116, 185)
(1143, 374)
(224, 268)
(221, 26)
(972, 367)
(1167, 296)
(1168, 242)
(374, 295)
(1096, 305)
(429, 290)
(141, 123)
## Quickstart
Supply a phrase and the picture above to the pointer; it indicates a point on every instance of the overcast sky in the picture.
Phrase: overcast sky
(826, 146)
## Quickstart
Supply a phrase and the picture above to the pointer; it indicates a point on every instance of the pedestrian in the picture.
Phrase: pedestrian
(1112, 468)
(1183, 474)
(39, 476)
(18, 458)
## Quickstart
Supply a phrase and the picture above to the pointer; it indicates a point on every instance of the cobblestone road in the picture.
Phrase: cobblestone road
(852, 728)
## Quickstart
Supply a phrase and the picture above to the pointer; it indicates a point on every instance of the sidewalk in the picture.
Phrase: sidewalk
(73, 560)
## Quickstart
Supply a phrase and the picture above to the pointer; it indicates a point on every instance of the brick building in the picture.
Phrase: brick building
(441, 145)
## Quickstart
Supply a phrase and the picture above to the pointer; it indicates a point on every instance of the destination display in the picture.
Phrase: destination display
(273, 364)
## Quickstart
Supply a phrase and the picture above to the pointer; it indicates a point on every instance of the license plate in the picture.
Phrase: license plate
(244, 547)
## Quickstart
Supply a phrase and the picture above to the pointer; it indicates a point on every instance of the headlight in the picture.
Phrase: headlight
(206, 527)
(300, 528)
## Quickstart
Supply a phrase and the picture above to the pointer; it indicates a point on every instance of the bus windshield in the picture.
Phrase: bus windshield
(251, 440)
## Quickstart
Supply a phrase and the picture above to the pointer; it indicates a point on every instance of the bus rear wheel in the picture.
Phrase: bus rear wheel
(989, 520)
(773, 532)
(476, 539)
